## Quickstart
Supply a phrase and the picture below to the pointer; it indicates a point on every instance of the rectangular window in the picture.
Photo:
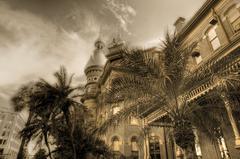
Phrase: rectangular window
(116, 145)
(213, 38)
(234, 19)
(215, 43)
(134, 146)
(222, 144)
(223, 148)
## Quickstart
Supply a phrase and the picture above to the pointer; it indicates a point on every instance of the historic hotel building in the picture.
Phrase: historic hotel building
(216, 29)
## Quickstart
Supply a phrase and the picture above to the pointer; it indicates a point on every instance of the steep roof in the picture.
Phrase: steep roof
(97, 59)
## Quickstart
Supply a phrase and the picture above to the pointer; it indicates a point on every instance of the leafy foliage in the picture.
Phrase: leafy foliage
(85, 143)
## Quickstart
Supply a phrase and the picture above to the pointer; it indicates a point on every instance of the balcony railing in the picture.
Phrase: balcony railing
(203, 75)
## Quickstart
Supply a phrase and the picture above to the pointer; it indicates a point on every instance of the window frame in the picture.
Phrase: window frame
(197, 57)
(114, 140)
(222, 145)
(226, 14)
(134, 140)
(214, 38)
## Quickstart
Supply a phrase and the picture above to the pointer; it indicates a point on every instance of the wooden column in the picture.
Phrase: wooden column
(146, 130)
(227, 103)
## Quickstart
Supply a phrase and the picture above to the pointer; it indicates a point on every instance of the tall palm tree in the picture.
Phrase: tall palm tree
(59, 98)
(20, 101)
(150, 83)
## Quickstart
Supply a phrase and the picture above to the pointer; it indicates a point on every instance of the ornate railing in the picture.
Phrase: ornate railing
(224, 65)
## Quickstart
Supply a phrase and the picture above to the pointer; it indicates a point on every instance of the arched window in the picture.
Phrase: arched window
(197, 57)
(134, 143)
(115, 143)
(196, 53)
(213, 38)
(134, 147)
(233, 17)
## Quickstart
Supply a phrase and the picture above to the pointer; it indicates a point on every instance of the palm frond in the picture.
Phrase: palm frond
(131, 88)
(227, 81)
(61, 77)
(138, 62)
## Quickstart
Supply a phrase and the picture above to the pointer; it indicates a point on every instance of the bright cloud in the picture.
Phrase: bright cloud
(122, 12)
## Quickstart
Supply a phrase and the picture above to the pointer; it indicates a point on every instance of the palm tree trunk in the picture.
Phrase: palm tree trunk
(145, 146)
(74, 148)
(66, 114)
(48, 147)
(20, 154)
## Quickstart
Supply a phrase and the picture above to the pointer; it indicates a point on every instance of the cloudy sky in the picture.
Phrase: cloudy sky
(37, 36)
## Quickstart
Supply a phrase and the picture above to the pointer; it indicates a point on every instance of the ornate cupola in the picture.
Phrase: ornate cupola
(94, 68)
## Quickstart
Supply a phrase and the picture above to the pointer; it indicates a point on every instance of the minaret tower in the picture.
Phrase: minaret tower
(93, 71)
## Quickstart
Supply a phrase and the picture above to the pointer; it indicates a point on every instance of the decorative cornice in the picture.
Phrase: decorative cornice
(93, 67)
(201, 13)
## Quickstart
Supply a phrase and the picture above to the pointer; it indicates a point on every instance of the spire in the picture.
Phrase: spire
(93, 69)
(97, 58)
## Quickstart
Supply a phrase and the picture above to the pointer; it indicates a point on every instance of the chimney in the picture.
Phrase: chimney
(179, 24)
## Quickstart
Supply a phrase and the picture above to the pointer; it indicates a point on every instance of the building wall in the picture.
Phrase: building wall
(126, 131)
(226, 35)
(10, 126)
(229, 40)
(229, 137)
